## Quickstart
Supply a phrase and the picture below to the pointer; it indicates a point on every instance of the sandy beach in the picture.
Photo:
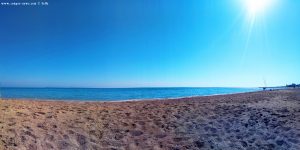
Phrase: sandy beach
(257, 120)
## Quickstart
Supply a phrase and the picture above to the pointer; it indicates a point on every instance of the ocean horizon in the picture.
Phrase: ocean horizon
(115, 94)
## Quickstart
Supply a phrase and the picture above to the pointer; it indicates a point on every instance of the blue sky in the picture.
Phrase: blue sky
(142, 43)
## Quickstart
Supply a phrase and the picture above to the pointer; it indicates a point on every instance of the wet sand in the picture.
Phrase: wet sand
(258, 120)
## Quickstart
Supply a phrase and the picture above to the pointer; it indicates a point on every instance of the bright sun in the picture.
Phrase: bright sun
(255, 7)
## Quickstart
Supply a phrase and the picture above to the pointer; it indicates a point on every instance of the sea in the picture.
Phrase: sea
(115, 94)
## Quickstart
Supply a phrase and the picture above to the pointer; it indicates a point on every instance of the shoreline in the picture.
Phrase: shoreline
(129, 100)
(252, 120)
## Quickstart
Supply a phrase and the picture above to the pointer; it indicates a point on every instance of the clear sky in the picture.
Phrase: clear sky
(145, 43)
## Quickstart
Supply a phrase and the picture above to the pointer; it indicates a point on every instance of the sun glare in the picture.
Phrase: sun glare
(255, 7)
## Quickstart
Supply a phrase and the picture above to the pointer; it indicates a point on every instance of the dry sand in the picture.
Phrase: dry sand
(259, 120)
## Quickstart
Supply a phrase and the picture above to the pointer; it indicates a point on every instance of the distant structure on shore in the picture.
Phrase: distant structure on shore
(293, 85)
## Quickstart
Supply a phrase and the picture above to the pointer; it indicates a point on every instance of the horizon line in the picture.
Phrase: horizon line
(130, 87)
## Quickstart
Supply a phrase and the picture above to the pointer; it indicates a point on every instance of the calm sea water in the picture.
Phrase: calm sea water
(113, 94)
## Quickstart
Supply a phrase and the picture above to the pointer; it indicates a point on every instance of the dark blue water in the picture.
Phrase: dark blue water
(112, 94)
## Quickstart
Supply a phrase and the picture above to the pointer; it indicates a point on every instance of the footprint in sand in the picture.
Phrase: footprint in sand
(63, 145)
(49, 137)
(23, 139)
(49, 146)
(42, 126)
(81, 139)
(160, 136)
(136, 132)
(119, 136)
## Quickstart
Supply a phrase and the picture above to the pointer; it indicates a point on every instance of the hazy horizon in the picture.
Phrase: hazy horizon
(123, 87)
(138, 43)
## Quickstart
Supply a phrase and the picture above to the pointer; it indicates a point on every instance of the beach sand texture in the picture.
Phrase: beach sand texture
(258, 120)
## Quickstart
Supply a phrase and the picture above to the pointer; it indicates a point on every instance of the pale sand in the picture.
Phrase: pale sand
(259, 120)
